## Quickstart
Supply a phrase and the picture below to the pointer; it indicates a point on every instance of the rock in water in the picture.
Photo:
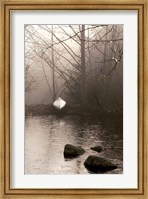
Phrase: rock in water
(71, 151)
(97, 164)
(97, 148)
(59, 103)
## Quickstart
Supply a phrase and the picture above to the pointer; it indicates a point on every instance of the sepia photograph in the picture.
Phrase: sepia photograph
(73, 99)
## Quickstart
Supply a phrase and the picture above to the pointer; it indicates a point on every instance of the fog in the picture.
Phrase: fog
(83, 64)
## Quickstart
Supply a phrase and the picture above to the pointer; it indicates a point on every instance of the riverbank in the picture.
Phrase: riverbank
(75, 110)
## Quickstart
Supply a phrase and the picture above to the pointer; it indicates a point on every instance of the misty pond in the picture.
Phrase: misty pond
(46, 136)
(83, 65)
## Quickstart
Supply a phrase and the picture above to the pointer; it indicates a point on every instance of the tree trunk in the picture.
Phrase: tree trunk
(53, 68)
(83, 71)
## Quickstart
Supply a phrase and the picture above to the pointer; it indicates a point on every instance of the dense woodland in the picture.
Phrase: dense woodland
(83, 64)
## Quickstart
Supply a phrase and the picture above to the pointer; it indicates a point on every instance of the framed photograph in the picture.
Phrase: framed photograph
(73, 80)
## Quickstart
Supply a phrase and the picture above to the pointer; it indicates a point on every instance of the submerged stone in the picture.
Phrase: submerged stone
(71, 151)
(97, 164)
(97, 148)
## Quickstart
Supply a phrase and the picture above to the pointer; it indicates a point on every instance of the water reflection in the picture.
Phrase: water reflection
(45, 138)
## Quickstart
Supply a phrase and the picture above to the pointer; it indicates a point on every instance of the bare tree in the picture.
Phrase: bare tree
(78, 61)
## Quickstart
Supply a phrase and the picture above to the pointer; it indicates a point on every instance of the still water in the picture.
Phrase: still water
(46, 136)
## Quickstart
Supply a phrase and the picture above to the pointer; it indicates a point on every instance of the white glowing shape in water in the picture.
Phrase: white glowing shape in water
(59, 103)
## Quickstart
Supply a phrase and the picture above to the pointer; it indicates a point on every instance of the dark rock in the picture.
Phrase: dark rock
(71, 151)
(97, 148)
(97, 164)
